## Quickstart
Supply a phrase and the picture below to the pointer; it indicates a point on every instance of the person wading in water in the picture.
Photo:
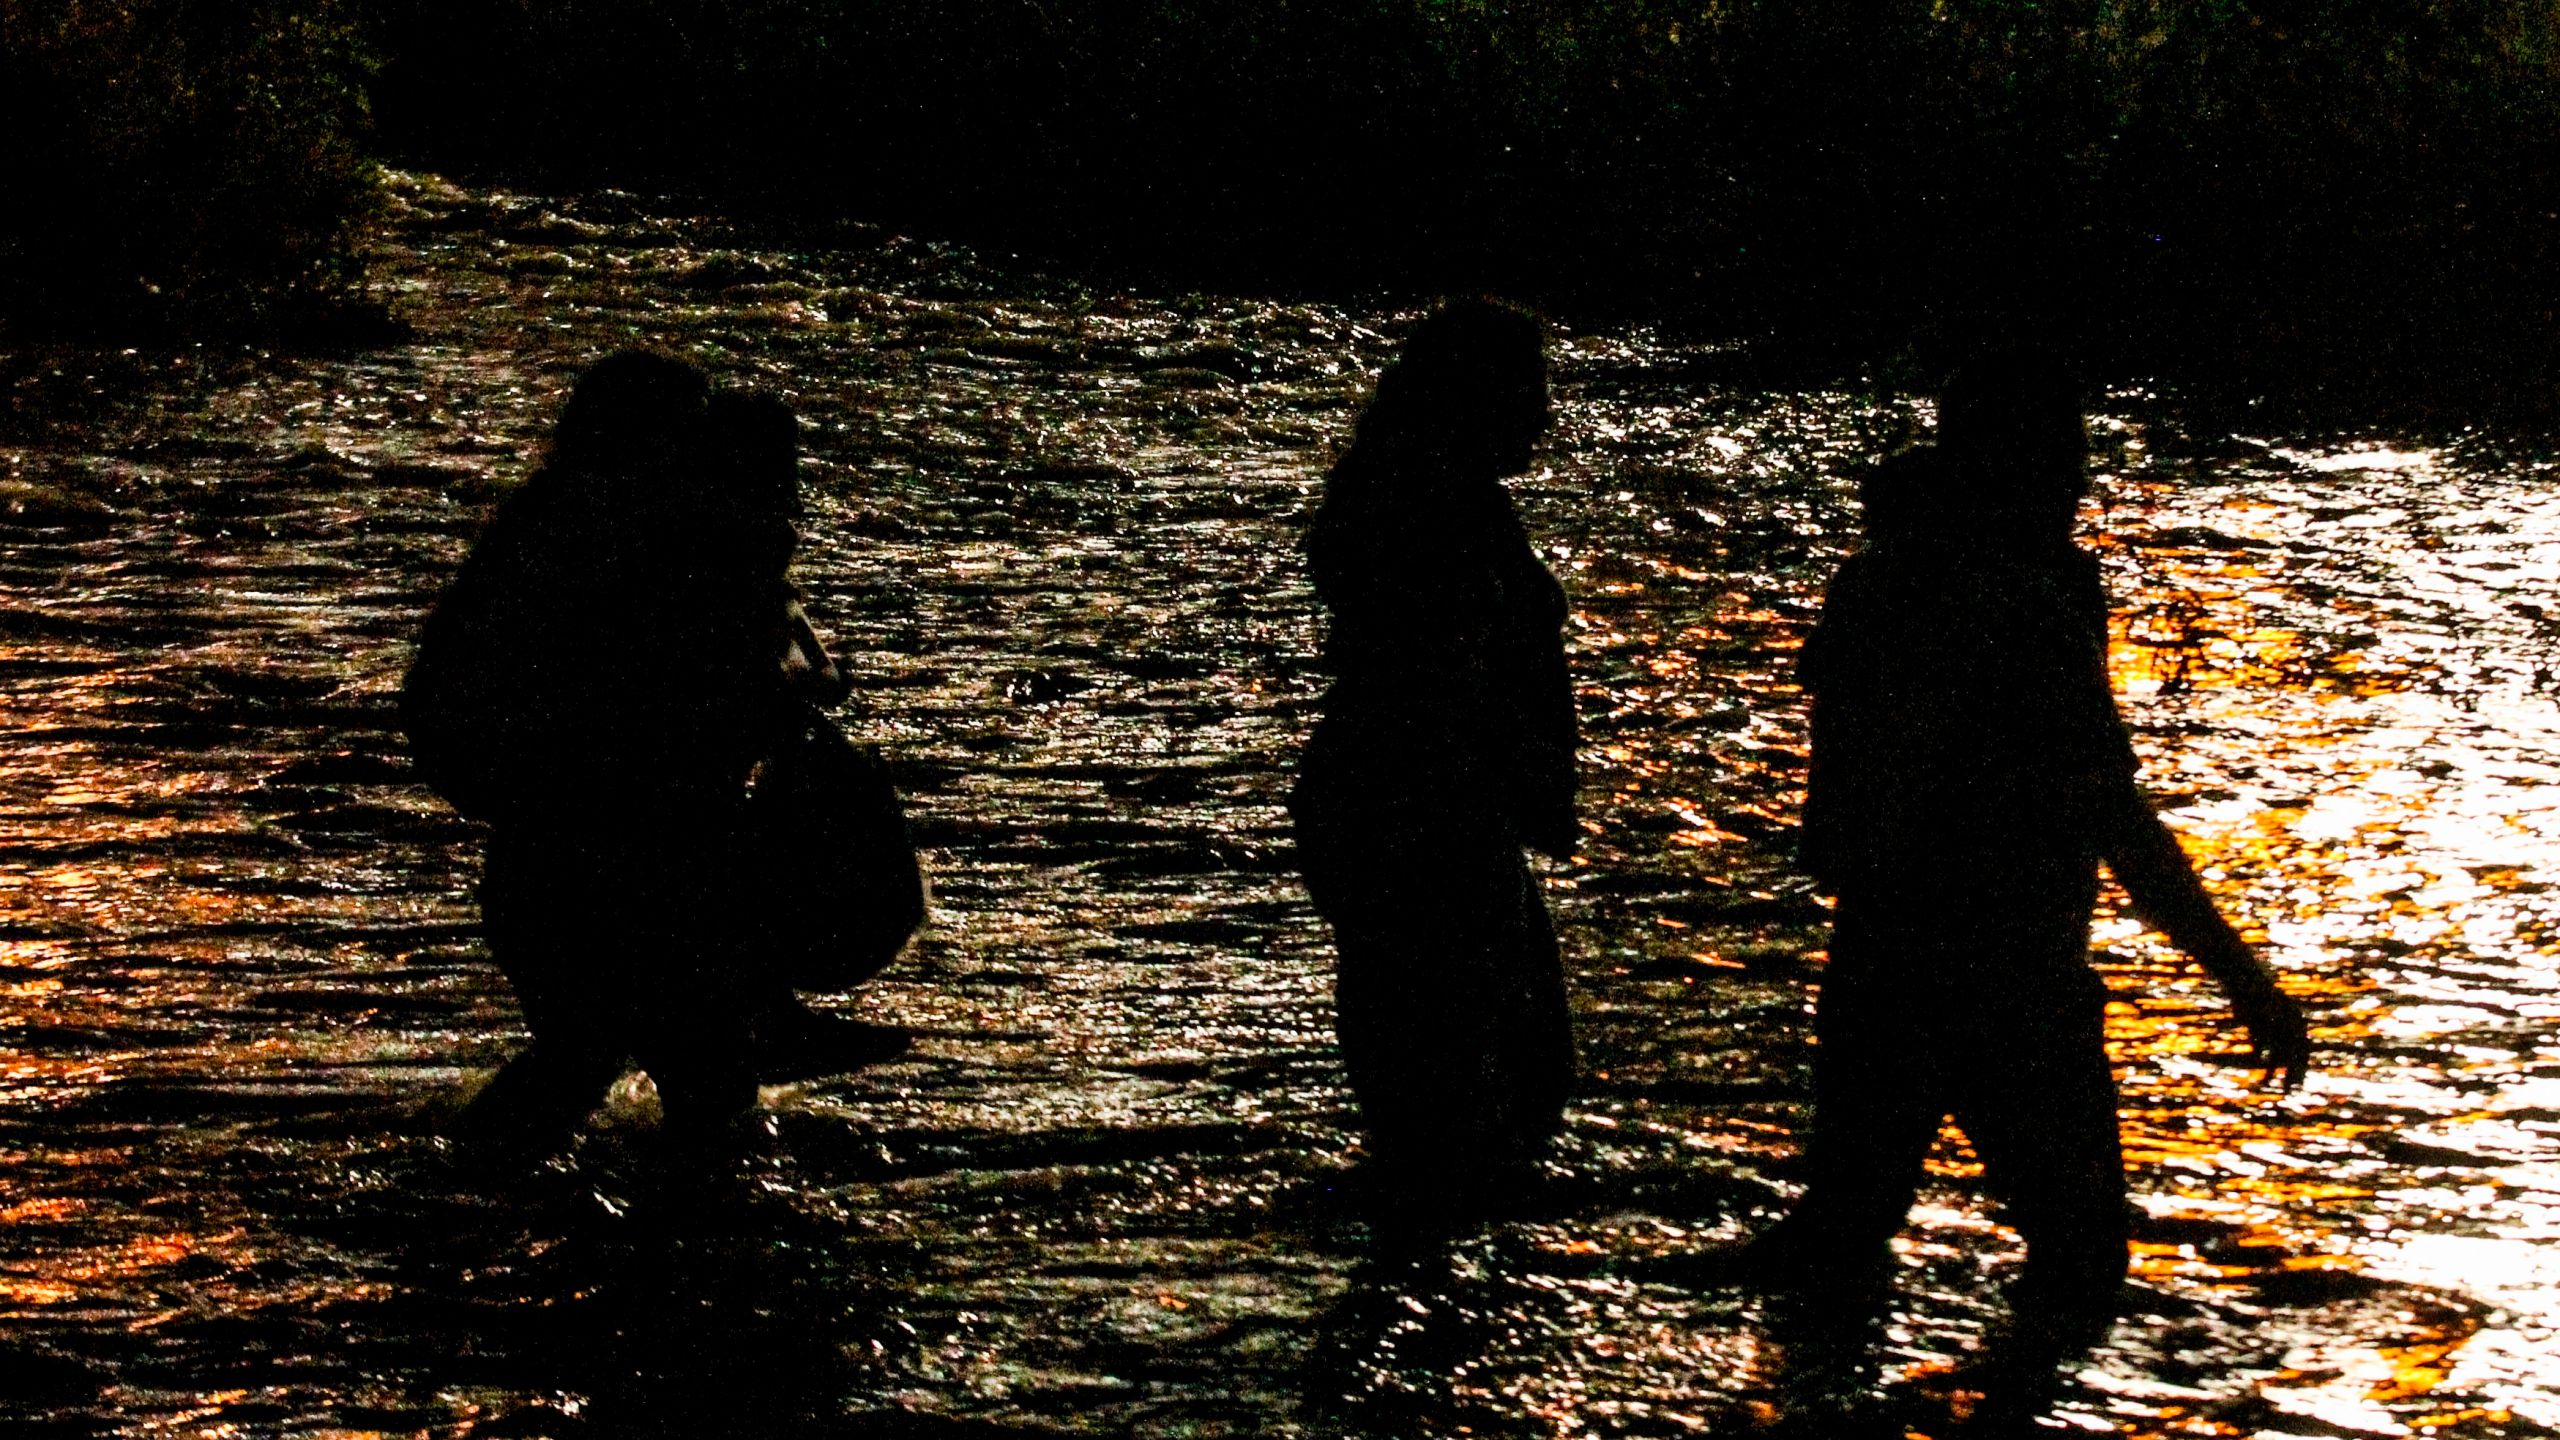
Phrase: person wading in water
(619, 651)
(1969, 773)
(1446, 746)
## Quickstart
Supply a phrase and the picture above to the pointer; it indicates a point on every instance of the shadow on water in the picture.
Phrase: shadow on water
(681, 1306)
(1107, 1193)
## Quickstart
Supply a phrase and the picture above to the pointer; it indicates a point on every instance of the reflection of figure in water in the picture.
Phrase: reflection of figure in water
(1969, 772)
(618, 652)
(1447, 744)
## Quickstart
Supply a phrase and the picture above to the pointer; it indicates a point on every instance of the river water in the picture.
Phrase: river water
(1111, 1190)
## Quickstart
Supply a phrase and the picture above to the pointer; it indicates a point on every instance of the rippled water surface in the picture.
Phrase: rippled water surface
(1111, 1190)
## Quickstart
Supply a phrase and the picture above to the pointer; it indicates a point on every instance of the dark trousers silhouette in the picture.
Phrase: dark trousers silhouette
(2000, 1026)
(1449, 1001)
(621, 941)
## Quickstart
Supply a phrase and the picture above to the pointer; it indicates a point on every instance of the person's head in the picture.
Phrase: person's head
(751, 500)
(757, 437)
(2014, 442)
(1467, 392)
(634, 418)
(1900, 495)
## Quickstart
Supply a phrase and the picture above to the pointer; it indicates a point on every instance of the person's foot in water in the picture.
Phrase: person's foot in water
(794, 1042)
(534, 1104)
(1797, 1258)
(2024, 1366)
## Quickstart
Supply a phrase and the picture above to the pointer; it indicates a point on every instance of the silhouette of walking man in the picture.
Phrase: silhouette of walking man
(1969, 772)
(1446, 745)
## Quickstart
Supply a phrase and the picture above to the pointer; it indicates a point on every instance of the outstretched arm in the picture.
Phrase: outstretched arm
(2146, 860)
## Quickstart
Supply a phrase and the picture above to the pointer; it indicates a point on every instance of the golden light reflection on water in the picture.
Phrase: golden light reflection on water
(2344, 697)
(1053, 531)
(2396, 891)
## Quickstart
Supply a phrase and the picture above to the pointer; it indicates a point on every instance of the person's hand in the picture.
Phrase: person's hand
(2278, 1035)
(829, 684)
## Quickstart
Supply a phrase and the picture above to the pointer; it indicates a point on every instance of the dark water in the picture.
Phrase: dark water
(1110, 1192)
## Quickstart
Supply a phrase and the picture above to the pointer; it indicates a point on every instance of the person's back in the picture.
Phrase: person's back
(1966, 749)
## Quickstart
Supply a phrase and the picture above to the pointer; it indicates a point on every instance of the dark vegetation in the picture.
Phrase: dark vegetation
(180, 163)
(2297, 193)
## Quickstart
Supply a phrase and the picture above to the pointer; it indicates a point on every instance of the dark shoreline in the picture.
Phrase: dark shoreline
(2336, 218)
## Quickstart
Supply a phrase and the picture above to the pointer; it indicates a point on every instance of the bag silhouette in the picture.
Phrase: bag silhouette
(837, 888)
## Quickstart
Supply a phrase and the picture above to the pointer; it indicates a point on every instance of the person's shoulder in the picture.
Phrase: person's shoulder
(1854, 607)
(1911, 461)
(1877, 577)
(1896, 492)
(544, 503)
(1859, 568)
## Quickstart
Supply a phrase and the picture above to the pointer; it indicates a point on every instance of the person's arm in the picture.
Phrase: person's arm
(1838, 655)
(2144, 855)
(813, 673)
(1547, 759)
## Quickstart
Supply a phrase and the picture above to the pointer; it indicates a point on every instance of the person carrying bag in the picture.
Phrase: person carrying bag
(620, 654)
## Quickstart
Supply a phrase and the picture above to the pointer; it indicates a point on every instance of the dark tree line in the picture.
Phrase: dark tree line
(2165, 179)
(179, 161)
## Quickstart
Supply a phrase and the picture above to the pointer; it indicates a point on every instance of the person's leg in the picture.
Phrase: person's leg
(1878, 1098)
(1427, 931)
(703, 1072)
(1419, 1050)
(697, 984)
(533, 901)
(2040, 1108)
(540, 1096)
(694, 1034)
(1877, 1105)
(1536, 1025)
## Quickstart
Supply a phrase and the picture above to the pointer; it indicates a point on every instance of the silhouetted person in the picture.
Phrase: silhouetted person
(618, 652)
(1969, 773)
(1446, 745)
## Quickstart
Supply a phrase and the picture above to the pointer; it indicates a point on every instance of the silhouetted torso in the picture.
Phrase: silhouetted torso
(1446, 745)
(1450, 707)
(1967, 754)
(617, 665)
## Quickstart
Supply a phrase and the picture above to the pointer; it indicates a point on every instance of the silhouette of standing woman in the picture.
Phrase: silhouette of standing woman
(1446, 745)
(619, 651)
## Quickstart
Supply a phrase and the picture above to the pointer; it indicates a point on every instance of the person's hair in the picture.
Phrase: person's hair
(632, 410)
(1447, 383)
(757, 435)
(2017, 405)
